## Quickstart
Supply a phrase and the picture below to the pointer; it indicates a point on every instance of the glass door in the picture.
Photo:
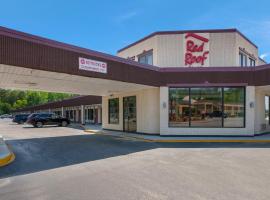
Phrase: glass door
(129, 114)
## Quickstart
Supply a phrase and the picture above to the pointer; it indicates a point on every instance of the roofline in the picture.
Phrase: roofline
(53, 43)
(262, 60)
(187, 31)
(64, 103)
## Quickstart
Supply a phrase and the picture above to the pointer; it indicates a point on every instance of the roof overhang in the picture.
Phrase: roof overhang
(31, 62)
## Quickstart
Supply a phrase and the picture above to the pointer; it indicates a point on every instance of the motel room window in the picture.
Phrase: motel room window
(114, 111)
(91, 114)
(242, 59)
(214, 107)
(146, 58)
(251, 62)
(71, 114)
(179, 107)
(67, 114)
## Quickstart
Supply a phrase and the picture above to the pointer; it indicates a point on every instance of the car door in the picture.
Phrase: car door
(55, 119)
(44, 118)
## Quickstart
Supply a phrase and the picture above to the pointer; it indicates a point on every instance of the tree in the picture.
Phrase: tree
(15, 99)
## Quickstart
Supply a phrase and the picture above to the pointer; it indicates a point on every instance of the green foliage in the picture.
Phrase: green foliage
(15, 99)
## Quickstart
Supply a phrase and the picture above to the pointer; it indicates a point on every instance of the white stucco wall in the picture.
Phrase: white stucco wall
(147, 111)
(261, 124)
(166, 130)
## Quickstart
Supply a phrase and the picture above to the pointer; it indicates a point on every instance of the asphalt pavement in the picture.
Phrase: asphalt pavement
(66, 163)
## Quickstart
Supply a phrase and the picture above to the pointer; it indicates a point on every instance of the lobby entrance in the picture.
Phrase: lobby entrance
(129, 114)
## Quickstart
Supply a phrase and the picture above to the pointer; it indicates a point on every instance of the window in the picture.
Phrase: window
(91, 114)
(234, 107)
(251, 62)
(114, 111)
(242, 59)
(266, 106)
(146, 58)
(86, 114)
(71, 114)
(207, 107)
(179, 107)
(67, 114)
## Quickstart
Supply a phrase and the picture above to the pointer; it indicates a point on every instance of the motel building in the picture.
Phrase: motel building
(78, 109)
(194, 82)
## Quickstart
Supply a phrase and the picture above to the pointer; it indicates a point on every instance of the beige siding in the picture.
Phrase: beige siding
(243, 43)
(170, 50)
(261, 124)
(146, 45)
(261, 62)
(147, 111)
(222, 49)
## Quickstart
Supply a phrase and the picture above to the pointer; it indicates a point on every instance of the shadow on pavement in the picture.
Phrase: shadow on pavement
(38, 154)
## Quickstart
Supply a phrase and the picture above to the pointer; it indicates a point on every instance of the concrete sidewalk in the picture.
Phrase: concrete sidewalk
(94, 129)
(6, 155)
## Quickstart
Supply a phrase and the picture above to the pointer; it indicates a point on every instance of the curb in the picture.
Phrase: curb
(9, 157)
(184, 140)
(213, 141)
(119, 136)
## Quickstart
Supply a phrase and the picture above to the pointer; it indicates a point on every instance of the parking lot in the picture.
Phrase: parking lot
(66, 163)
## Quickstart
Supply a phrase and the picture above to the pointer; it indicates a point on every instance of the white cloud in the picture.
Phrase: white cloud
(126, 16)
(264, 55)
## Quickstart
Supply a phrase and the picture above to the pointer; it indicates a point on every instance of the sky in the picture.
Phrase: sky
(107, 26)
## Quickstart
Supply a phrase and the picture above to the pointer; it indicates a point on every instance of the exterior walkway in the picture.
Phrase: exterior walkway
(97, 129)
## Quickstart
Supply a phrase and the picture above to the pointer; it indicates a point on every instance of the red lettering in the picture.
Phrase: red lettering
(190, 59)
(192, 47)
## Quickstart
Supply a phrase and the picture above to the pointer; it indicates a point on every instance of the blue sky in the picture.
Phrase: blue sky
(109, 25)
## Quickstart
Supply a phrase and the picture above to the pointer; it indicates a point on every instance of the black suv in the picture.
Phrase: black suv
(40, 119)
(217, 114)
(20, 118)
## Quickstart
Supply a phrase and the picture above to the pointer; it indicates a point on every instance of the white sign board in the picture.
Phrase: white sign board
(92, 65)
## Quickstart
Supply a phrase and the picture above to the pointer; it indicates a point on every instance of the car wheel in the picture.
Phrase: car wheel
(64, 123)
(21, 122)
(39, 124)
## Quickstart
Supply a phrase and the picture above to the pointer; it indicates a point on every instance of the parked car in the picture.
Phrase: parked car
(217, 114)
(38, 120)
(20, 118)
(5, 116)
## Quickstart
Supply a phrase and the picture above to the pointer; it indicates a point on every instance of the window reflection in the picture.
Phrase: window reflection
(206, 107)
(114, 111)
(234, 99)
(179, 107)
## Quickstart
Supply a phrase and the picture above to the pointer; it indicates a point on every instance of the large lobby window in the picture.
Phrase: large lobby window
(179, 107)
(206, 107)
(214, 107)
(234, 107)
(114, 111)
(146, 58)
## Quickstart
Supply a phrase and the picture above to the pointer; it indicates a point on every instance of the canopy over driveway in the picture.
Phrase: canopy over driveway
(31, 62)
